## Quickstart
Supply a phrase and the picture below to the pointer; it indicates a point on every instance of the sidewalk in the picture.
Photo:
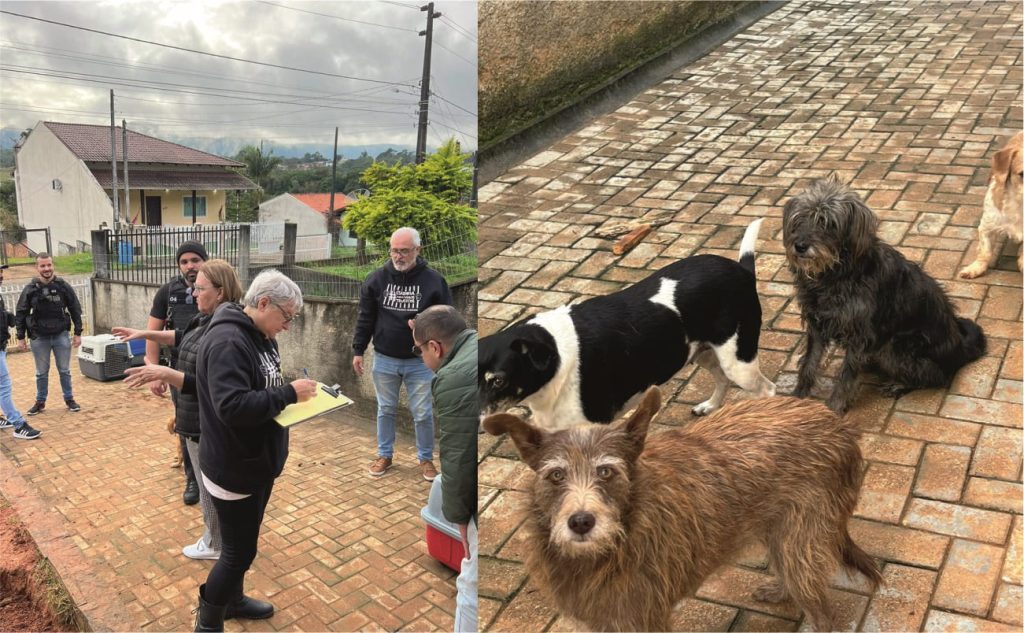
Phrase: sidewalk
(908, 101)
(338, 550)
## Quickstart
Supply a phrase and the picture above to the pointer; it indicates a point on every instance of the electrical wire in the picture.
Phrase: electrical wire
(337, 17)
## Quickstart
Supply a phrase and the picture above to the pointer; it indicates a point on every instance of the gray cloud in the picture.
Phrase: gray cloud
(56, 73)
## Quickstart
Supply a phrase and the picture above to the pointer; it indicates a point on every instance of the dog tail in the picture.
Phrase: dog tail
(748, 244)
(974, 339)
(856, 558)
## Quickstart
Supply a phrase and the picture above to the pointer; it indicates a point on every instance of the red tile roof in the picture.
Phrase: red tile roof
(177, 180)
(92, 143)
(317, 201)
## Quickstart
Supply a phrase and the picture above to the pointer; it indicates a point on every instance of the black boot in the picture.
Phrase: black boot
(209, 617)
(191, 494)
(249, 608)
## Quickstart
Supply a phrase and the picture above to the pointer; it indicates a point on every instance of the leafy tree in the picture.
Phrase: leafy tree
(9, 213)
(428, 196)
(258, 165)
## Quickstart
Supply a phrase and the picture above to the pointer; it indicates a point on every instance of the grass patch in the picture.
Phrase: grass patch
(57, 598)
(455, 269)
(76, 264)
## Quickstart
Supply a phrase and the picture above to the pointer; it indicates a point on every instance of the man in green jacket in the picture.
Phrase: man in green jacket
(448, 348)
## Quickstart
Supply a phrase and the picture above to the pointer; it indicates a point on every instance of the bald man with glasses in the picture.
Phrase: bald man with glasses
(392, 295)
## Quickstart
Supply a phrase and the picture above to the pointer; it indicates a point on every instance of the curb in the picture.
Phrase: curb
(102, 610)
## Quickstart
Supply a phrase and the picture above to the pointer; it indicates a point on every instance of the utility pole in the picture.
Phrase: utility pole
(421, 130)
(113, 163)
(334, 174)
(124, 160)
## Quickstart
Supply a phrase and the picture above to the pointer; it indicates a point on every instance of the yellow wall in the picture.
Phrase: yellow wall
(172, 206)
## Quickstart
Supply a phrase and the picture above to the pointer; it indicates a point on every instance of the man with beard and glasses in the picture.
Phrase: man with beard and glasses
(391, 295)
(173, 307)
(46, 310)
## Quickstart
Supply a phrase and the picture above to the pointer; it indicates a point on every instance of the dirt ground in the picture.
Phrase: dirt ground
(22, 607)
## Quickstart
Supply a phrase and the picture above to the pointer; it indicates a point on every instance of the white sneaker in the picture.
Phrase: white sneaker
(200, 551)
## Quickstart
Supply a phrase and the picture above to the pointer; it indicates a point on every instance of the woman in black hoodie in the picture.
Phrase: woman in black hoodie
(242, 449)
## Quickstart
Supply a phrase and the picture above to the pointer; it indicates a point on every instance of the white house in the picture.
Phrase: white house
(62, 176)
(309, 211)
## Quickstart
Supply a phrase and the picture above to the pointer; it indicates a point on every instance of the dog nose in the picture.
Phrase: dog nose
(800, 247)
(581, 522)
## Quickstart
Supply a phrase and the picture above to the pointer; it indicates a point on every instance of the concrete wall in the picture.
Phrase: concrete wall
(320, 340)
(537, 57)
(71, 212)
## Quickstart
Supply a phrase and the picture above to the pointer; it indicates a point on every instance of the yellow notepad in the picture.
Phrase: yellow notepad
(325, 400)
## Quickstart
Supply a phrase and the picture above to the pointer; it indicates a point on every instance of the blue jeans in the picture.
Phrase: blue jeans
(388, 374)
(6, 402)
(60, 344)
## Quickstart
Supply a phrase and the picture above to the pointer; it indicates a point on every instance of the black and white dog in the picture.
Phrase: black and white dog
(859, 293)
(582, 363)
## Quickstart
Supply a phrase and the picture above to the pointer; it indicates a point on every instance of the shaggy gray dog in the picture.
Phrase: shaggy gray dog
(863, 295)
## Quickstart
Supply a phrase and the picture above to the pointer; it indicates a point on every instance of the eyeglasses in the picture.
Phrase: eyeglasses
(199, 288)
(417, 350)
(403, 251)
(288, 318)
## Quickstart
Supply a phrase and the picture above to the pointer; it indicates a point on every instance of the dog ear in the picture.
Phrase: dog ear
(527, 438)
(861, 224)
(539, 352)
(1001, 162)
(636, 426)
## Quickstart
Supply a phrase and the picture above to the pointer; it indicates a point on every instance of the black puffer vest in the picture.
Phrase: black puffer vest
(181, 309)
(186, 412)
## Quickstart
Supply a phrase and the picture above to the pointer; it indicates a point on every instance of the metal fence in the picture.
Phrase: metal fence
(147, 255)
(342, 275)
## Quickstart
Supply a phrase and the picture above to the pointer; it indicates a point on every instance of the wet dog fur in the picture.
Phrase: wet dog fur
(622, 526)
(1004, 208)
(857, 292)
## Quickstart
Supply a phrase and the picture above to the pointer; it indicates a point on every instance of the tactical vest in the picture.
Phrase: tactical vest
(181, 307)
(49, 308)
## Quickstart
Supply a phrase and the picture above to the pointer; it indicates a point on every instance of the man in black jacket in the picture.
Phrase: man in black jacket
(390, 296)
(173, 308)
(46, 311)
(12, 417)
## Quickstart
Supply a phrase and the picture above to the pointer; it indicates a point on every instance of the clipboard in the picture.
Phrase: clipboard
(327, 399)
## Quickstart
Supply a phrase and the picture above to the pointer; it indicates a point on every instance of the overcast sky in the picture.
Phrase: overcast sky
(369, 54)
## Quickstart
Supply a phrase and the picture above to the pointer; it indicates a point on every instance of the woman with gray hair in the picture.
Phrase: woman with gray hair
(242, 449)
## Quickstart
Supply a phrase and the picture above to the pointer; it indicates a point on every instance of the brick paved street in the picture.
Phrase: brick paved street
(908, 100)
(338, 551)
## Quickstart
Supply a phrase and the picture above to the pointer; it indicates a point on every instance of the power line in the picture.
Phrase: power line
(337, 17)
(439, 44)
(156, 85)
(459, 29)
(96, 59)
(198, 52)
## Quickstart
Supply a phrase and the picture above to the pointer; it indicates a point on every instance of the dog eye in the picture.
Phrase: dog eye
(498, 382)
(604, 472)
(557, 475)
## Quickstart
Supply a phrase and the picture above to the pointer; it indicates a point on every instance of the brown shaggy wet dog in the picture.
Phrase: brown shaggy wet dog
(622, 526)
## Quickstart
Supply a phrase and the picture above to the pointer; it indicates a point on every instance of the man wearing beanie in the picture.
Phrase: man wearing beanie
(173, 307)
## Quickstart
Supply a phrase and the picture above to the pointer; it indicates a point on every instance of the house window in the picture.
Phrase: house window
(200, 206)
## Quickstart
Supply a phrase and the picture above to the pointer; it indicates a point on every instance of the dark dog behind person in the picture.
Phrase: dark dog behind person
(242, 450)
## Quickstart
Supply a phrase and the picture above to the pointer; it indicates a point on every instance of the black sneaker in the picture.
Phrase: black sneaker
(26, 432)
(72, 405)
(5, 423)
(37, 407)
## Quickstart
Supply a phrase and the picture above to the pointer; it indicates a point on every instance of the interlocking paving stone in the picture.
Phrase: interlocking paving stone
(905, 100)
(968, 579)
(338, 550)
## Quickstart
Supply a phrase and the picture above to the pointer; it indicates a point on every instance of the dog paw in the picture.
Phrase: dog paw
(894, 390)
(971, 272)
(772, 592)
(838, 405)
(703, 408)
